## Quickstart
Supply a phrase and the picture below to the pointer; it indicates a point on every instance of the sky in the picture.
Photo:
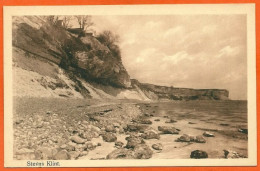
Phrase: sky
(192, 51)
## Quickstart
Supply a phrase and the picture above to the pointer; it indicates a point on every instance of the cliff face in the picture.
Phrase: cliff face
(49, 61)
(171, 93)
(85, 55)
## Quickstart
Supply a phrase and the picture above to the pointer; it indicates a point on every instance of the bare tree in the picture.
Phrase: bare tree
(66, 21)
(84, 21)
(53, 19)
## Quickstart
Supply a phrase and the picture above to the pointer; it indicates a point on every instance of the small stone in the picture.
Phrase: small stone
(157, 120)
(200, 139)
(119, 144)
(198, 154)
(170, 121)
(63, 146)
(157, 146)
(110, 128)
(168, 130)
(207, 134)
(77, 140)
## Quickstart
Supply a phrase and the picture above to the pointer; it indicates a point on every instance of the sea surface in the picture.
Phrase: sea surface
(228, 113)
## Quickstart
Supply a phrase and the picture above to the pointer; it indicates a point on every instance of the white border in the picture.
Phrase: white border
(248, 9)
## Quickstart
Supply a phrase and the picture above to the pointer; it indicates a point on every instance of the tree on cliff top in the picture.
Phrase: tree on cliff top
(110, 40)
(84, 21)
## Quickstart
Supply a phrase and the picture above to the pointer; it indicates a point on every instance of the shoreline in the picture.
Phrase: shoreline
(91, 120)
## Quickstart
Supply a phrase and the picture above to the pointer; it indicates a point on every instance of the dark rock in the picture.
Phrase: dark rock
(233, 154)
(148, 115)
(121, 153)
(18, 121)
(207, 134)
(245, 131)
(168, 130)
(133, 141)
(226, 152)
(142, 151)
(224, 124)
(170, 121)
(200, 139)
(109, 137)
(142, 121)
(77, 139)
(150, 135)
(191, 123)
(62, 155)
(157, 146)
(198, 154)
(157, 120)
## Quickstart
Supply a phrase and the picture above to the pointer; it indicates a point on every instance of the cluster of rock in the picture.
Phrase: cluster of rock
(55, 136)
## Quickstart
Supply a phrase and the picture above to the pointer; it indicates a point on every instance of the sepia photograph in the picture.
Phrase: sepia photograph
(130, 85)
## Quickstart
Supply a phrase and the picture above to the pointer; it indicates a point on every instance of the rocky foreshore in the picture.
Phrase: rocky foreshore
(111, 131)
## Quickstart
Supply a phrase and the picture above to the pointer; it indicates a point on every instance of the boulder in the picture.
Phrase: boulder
(198, 154)
(157, 146)
(136, 127)
(77, 139)
(133, 141)
(184, 138)
(109, 137)
(142, 151)
(168, 130)
(121, 153)
(150, 135)
(208, 134)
